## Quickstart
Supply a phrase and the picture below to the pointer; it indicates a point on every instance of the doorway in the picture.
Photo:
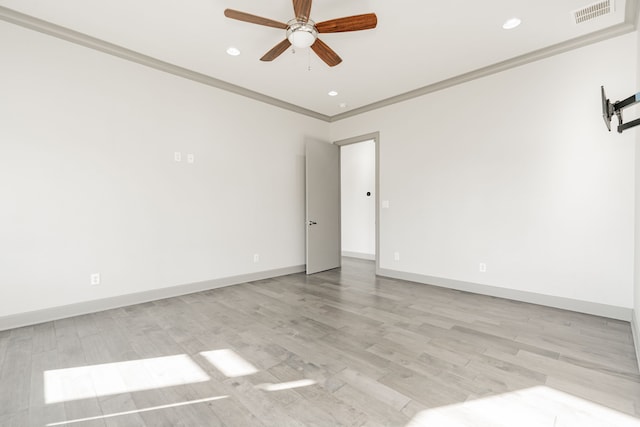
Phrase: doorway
(359, 160)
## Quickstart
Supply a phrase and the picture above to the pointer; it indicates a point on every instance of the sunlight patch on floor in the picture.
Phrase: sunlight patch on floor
(534, 407)
(229, 363)
(63, 385)
(137, 411)
(285, 386)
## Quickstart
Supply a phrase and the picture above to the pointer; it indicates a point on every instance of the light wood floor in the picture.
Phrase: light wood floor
(340, 348)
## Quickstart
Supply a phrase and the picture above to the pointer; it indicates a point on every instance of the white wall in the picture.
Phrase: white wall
(515, 170)
(88, 182)
(358, 176)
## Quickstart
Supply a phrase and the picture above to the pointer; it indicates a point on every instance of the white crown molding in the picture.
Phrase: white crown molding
(629, 25)
(85, 40)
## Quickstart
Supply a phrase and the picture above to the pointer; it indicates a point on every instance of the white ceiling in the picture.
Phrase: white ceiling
(417, 43)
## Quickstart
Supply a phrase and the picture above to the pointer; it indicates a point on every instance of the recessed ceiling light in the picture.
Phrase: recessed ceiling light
(233, 51)
(511, 23)
(333, 93)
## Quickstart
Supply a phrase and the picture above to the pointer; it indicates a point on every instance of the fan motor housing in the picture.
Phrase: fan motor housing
(302, 34)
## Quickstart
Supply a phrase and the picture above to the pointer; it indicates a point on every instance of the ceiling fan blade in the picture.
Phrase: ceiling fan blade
(326, 53)
(302, 9)
(276, 51)
(247, 17)
(349, 23)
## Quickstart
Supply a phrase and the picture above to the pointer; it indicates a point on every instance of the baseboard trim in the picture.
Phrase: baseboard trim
(636, 335)
(86, 307)
(359, 255)
(587, 307)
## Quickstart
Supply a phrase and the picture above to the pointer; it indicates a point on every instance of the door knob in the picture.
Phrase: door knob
(312, 223)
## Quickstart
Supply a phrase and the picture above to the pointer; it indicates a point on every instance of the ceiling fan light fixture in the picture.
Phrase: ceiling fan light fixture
(302, 34)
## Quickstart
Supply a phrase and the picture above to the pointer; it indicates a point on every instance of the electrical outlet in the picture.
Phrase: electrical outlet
(256, 258)
(191, 158)
(482, 267)
(177, 156)
(396, 256)
(95, 279)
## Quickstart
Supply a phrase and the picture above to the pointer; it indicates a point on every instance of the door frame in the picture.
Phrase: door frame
(375, 137)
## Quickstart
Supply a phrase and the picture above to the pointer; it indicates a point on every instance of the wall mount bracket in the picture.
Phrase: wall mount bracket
(609, 109)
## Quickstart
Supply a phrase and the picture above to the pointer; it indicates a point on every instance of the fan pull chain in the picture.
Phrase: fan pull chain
(309, 59)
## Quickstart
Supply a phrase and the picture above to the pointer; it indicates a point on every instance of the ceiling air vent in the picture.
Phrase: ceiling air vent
(593, 11)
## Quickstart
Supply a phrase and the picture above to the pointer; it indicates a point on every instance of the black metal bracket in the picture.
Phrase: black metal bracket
(609, 109)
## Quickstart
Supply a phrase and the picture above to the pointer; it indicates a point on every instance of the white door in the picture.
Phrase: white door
(322, 206)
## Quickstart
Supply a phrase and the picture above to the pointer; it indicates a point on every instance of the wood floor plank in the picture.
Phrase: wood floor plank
(262, 406)
(225, 408)
(428, 390)
(4, 343)
(377, 413)
(41, 412)
(15, 377)
(44, 337)
(377, 391)
(15, 419)
(625, 389)
(85, 412)
(68, 344)
(278, 385)
(335, 411)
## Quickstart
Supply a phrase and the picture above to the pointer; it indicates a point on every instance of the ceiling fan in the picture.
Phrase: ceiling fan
(303, 32)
